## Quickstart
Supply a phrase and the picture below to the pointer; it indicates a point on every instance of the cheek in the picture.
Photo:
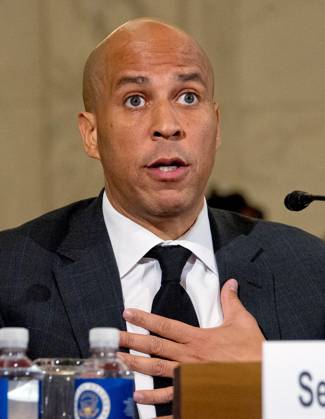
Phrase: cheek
(203, 124)
(120, 158)
(205, 136)
(205, 150)
(120, 143)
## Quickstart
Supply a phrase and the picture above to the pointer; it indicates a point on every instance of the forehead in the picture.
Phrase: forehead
(155, 56)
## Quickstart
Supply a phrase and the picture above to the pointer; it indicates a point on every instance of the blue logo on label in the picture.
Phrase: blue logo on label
(92, 402)
(102, 398)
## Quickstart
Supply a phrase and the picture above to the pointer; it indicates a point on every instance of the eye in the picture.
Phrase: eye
(135, 101)
(188, 98)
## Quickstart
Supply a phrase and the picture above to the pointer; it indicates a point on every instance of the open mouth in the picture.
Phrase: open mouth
(167, 165)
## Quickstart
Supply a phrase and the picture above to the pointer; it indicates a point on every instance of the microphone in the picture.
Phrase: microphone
(298, 200)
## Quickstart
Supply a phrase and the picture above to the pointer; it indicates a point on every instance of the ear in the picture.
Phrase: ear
(88, 131)
(218, 133)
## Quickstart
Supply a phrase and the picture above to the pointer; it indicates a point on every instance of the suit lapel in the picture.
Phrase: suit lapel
(87, 276)
(241, 257)
(88, 279)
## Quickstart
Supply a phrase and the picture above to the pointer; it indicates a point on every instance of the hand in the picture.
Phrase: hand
(153, 367)
(237, 339)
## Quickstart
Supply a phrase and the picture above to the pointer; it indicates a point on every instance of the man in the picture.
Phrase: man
(151, 120)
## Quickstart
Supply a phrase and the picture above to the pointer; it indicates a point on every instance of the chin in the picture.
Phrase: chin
(172, 206)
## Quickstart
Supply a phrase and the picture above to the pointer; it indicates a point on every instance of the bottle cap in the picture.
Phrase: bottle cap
(14, 337)
(104, 337)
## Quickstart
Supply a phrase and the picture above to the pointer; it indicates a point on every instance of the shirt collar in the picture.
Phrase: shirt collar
(131, 241)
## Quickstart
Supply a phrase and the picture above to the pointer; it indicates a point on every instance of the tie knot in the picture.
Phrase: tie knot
(171, 259)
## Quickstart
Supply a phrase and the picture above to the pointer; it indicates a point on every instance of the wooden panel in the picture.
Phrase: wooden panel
(218, 390)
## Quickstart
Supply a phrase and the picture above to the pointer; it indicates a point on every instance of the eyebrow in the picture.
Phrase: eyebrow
(140, 80)
(191, 77)
(131, 80)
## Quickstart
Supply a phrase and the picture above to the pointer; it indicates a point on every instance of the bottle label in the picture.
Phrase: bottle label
(102, 398)
(3, 398)
(19, 398)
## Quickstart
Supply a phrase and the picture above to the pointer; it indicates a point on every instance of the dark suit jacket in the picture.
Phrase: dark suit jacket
(59, 278)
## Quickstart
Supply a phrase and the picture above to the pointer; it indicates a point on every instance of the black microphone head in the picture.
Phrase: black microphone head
(297, 200)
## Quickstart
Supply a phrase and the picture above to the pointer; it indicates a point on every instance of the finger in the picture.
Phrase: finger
(150, 366)
(164, 417)
(170, 329)
(152, 345)
(158, 396)
(229, 300)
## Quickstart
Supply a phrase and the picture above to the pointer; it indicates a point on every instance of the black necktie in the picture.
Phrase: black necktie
(171, 300)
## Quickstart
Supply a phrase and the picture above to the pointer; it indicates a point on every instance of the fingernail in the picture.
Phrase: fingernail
(233, 284)
(128, 314)
(138, 397)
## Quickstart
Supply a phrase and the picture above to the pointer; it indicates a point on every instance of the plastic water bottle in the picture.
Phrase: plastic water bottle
(19, 380)
(104, 386)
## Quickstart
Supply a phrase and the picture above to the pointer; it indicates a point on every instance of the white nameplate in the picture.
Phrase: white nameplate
(293, 380)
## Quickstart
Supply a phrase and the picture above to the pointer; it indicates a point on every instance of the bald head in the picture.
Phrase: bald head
(139, 32)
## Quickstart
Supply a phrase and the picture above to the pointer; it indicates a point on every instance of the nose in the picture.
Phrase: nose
(165, 123)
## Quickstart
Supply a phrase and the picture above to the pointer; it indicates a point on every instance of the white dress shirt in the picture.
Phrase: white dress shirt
(141, 276)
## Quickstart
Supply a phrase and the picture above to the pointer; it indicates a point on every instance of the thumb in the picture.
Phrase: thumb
(229, 299)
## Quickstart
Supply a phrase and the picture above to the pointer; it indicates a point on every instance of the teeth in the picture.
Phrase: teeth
(167, 168)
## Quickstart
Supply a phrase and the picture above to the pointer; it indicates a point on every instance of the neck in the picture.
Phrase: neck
(168, 229)
(165, 227)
